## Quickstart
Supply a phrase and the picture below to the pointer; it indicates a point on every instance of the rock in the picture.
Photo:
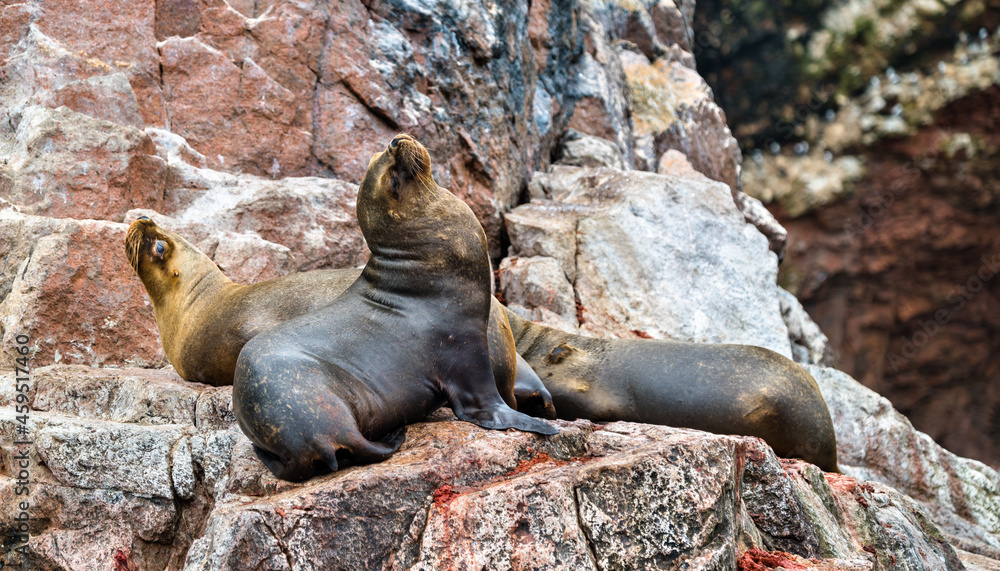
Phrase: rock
(544, 228)
(537, 282)
(96, 527)
(69, 165)
(601, 106)
(755, 213)
(315, 218)
(62, 51)
(210, 116)
(137, 396)
(809, 345)
(876, 443)
(14, 21)
(676, 163)
(622, 494)
(18, 235)
(586, 151)
(541, 505)
(674, 108)
(97, 454)
(106, 97)
(77, 297)
(635, 233)
(218, 105)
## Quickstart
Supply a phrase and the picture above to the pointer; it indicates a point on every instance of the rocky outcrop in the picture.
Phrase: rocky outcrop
(596, 224)
(137, 468)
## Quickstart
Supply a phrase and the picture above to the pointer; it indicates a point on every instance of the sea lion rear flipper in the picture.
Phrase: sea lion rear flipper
(532, 397)
(366, 451)
(294, 471)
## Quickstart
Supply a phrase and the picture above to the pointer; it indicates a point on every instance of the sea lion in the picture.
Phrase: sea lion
(408, 336)
(725, 389)
(204, 319)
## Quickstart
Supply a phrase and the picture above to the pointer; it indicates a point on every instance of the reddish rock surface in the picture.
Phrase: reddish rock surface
(212, 113)
(68, 165)
(904, 276)
(232, 112)
(77, 298)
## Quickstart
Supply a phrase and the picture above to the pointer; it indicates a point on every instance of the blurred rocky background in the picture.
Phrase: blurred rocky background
(592, 149)
(870, 130)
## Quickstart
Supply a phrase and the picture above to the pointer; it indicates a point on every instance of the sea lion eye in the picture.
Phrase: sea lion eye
(160, 247)
(395, 187)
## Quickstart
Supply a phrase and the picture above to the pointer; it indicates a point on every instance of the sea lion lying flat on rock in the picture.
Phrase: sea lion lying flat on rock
(725, 389)
(408, 336)
(204, 319)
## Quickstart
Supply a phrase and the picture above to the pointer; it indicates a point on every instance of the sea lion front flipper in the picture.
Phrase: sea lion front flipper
(473, 397)
(532, 397)
(506, 417)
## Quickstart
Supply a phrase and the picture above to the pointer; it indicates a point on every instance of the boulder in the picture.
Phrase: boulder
(579, 150)
(878, 444)
(76, 296)
(538, 282)
(70, 165)
(655, 255)
(315, 218)
(673, 108)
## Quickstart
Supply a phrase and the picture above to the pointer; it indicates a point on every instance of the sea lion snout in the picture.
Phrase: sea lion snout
(411, 158)
(134, 238)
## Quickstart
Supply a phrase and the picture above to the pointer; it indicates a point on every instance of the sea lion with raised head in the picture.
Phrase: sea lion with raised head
(204, 318)
(725, 389)
(408, 336)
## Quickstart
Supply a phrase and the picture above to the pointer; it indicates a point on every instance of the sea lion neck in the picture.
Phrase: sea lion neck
(200, 284)
(432, 255)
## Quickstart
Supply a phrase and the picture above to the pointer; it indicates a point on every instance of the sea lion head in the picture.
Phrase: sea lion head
(164, 261)
(396, 182)
(406, 216)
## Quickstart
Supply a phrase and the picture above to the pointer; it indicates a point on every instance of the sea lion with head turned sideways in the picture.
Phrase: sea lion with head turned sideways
(725, 389)
(408, 336)
(204, 318)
